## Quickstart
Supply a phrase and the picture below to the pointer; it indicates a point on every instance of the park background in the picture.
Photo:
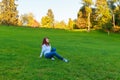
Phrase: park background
(81, 14)
(91, 42)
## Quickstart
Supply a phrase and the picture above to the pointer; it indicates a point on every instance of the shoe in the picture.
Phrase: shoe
(52, 59)
(65, 60)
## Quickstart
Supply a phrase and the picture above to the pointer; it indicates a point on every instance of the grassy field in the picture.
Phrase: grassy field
(92, 56)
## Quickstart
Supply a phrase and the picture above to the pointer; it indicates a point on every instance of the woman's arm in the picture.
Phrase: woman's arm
(41, 55)
(42, 51)
(45, 49)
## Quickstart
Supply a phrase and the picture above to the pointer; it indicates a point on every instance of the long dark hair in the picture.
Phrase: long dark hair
(45, 42)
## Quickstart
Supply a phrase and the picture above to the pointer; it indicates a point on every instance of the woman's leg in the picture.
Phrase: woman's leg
(57, 55)
(52, 54)
(49, 55)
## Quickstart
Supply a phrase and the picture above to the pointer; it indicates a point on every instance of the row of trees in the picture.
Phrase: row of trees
(104, 14)
(46, 21)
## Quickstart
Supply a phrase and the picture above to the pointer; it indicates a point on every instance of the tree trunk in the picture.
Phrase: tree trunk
(108, 32)
(88, 22)
(114, 20)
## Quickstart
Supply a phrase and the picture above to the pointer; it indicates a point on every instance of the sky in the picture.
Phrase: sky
(62, 9)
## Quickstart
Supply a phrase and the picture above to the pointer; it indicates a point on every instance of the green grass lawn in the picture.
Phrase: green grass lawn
(92, 56)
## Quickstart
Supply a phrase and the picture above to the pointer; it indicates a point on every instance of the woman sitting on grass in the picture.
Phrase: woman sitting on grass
(48, 52)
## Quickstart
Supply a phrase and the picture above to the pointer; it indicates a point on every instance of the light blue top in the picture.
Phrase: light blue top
(45, 49)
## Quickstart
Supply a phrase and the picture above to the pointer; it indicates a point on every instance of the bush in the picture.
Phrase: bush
(116, 29)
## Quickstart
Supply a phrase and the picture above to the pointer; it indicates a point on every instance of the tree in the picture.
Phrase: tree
(9, 13)
(117, 14)
(112, 7)
(28, 20)
(117, 19)
(46, 22)
(60, 25)
(24, 19)
(88, 10)
(19, 22)
(93, 18)
(2, 7)
(81, 19)
(70, 24)
(51, 16)
(103, 16)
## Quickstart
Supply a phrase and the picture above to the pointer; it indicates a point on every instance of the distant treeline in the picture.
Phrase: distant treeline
(103, 14)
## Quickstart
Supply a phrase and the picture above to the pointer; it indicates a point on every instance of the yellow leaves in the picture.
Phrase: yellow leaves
(28, 20)
(70, 24)
(88, 2)
(60, 25)
(88, 9)
(19, 23)
(9, 12)
(46, 21)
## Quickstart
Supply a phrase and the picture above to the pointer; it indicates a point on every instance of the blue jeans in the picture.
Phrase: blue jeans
(52, 54)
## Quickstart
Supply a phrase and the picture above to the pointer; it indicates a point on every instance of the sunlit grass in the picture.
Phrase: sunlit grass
(93, 56)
